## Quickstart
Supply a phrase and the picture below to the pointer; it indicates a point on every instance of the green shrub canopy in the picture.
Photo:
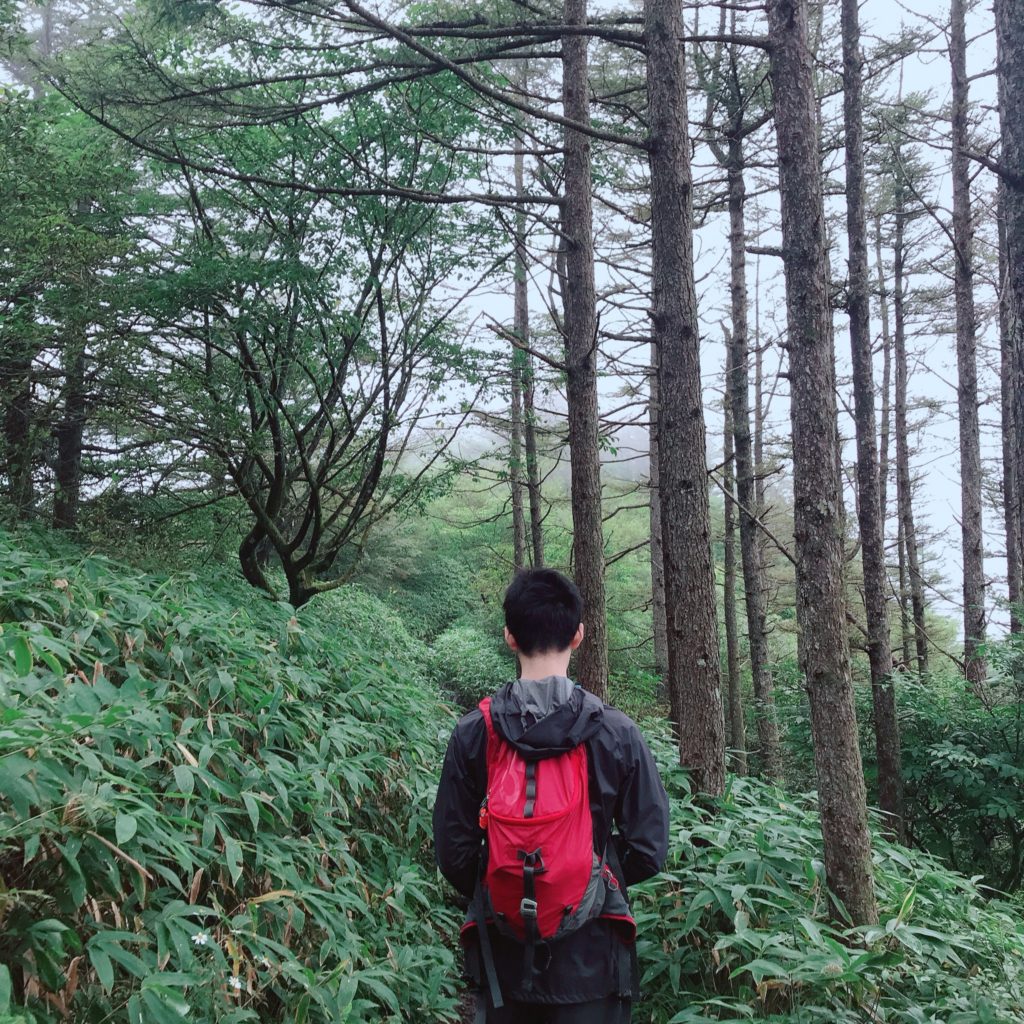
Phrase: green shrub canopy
(214, 809)
(210, 807)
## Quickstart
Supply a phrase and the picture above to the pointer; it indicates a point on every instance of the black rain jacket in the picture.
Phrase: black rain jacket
(629, 809)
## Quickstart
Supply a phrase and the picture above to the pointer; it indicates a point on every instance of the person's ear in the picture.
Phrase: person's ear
(511, 641)
(577, 639)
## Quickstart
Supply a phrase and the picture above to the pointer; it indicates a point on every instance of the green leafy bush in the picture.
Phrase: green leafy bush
(963, 758)
(213, 809)
(421, 569)
(636, 693)
(351, 612)
(470, 664)
(210, 807)
(737, 927)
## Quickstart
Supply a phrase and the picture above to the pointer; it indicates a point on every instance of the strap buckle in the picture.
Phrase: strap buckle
(528, 908)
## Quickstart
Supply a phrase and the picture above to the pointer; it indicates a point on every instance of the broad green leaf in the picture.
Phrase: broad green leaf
(22, 656)
(184, 779)
(125, 828)
(253, 808)
(101, 964)
(233, 856)
(5, 989)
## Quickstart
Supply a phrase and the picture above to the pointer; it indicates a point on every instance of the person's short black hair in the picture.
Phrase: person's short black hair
(543, 610)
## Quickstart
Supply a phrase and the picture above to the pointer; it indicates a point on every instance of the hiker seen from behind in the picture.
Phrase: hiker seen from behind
(548, 808)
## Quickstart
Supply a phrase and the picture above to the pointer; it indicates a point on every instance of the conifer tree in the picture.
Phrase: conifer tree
(817, 490)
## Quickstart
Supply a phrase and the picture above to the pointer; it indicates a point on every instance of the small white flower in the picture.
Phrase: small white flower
(235, 983)
(200, 938)
(264, 962)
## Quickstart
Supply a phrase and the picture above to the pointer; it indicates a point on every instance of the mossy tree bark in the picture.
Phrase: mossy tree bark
(817, 488)
(693, 655)
(966, 358)
(869, 508)
(580, 327)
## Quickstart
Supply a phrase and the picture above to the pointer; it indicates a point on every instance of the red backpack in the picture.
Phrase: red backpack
(543, 878)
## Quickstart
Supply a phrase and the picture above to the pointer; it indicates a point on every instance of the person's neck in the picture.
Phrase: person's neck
(540, 666)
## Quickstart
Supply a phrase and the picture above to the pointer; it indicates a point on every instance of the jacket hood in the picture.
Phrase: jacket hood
(565, 727)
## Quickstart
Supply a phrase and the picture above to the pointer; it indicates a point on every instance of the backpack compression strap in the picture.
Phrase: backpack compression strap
(486, 953)
(533, 865)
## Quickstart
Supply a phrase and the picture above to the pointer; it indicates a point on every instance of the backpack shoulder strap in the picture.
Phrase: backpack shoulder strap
(493, 739)
(485, 710)
(477, 907)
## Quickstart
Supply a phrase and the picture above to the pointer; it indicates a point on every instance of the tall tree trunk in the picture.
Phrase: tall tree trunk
(759, 414)
(1010, 40)
(16, 405)
(580, 324)
(1011, 495)
(657, 547)
(69, 433)
(904, 490)
(906, 633)
(759, 408)
(869, 507)
(738, 401)
(760, 411)
(885, 426)
(693, 655)
(522, 330)
(737, 732)
(533, 484)
(515, 462)
(966, 359)
(817, 487)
